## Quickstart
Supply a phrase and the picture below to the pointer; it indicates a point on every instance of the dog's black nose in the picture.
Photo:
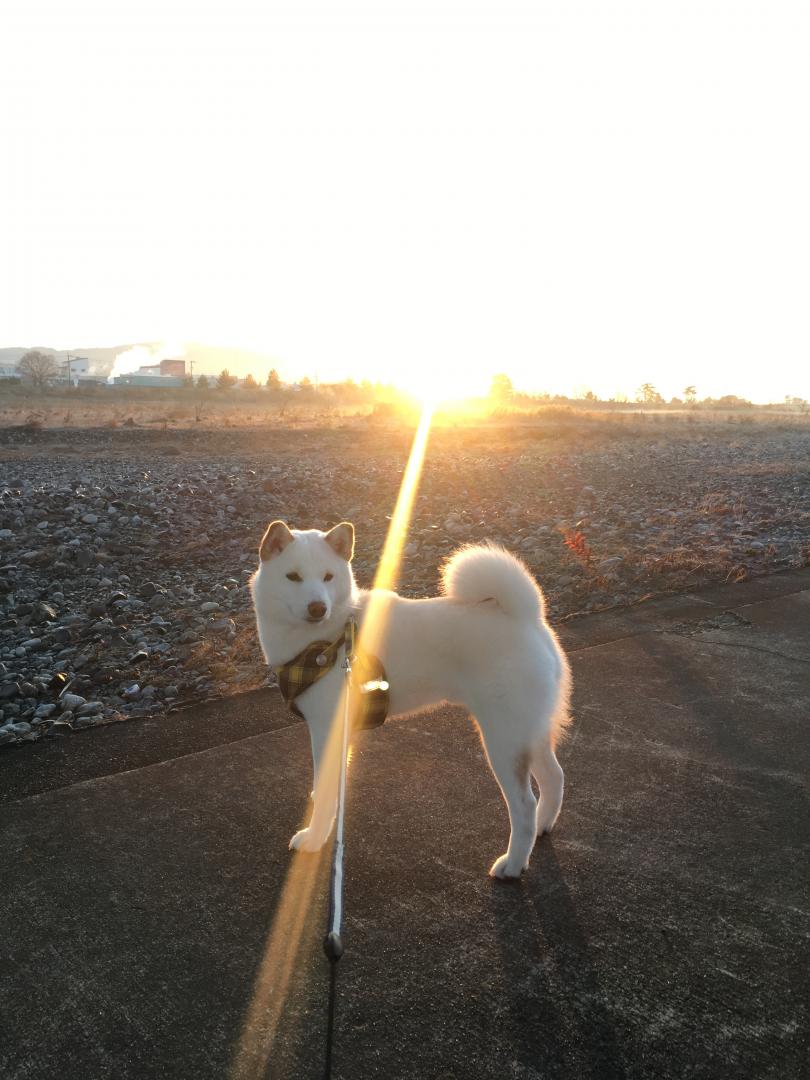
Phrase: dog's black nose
(317, 609)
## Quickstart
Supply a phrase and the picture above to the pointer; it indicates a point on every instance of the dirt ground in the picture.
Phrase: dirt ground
(125, 552)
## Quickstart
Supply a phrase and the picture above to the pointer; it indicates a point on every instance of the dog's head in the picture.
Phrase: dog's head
(306, 574)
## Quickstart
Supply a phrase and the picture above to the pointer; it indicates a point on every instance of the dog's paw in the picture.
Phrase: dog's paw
(304, 840)
(503, 872)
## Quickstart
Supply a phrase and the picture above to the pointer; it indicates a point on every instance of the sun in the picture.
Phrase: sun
(442, 384)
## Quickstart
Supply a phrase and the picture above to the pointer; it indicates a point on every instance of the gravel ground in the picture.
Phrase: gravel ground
(125, 554)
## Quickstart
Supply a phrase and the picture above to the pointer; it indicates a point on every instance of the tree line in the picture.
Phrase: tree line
(40, 369)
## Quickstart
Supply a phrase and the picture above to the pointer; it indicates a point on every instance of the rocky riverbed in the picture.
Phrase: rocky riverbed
(125, 555)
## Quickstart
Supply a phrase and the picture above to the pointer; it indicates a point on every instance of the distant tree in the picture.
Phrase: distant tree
(188, 381)
(203, 383)
(501, 388)
(225, 381)
(648, 394)
(582, 393)
(249, 382)
(306, 383)
(675, 401)
(690, 395)
(38, 368)
(273, 380)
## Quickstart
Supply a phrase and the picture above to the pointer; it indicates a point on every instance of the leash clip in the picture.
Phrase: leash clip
(350, 636)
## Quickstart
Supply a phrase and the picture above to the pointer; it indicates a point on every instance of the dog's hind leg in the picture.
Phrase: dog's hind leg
(550, 779)
(512, 769)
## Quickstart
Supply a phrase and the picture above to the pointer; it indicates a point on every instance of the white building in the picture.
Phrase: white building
(74, 368)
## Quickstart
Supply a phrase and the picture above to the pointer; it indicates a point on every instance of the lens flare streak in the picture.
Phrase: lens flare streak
(297, 922)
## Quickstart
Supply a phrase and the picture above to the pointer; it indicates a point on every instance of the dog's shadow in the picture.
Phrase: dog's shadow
(560, 1019)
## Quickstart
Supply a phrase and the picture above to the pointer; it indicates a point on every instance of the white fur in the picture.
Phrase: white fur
(484, 645)
(479, 573)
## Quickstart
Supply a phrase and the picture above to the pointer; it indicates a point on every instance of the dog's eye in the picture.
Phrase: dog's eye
(328, 577)
(294, 577)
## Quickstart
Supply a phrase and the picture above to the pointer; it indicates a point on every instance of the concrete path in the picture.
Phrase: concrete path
(660, 932)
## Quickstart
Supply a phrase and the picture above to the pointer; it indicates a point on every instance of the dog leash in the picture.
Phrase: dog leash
(333, 943)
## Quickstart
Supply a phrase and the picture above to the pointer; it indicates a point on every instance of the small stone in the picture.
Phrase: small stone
(90, 708)
(71, 701)
(90, 519)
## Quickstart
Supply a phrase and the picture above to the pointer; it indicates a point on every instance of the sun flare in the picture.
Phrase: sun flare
(296, 921)
(441, 384)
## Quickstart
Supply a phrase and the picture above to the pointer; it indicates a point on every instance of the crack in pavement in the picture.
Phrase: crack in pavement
(736, 645)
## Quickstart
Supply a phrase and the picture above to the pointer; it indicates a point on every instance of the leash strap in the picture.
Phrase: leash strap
(333, 944)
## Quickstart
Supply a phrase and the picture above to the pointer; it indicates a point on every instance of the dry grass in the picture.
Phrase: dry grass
(178, 409)
(117, 409)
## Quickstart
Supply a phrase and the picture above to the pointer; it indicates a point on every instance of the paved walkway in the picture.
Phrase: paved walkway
(660, 932)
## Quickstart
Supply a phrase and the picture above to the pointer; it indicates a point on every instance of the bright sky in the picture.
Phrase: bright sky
(586, 193)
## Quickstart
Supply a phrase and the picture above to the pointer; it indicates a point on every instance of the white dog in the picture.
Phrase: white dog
(484, 644)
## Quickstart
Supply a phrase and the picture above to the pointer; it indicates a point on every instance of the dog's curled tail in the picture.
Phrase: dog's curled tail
(487, 572)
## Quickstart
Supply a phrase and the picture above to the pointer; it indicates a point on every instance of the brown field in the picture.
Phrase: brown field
(129, 528)
(177, 409)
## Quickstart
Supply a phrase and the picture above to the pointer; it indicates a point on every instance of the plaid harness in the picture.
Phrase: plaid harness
(370, 700)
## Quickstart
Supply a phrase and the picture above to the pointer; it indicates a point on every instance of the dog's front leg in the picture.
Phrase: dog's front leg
(325, 766)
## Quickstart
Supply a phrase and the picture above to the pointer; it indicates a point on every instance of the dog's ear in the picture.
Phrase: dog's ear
(274, 540)
(341, 540)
